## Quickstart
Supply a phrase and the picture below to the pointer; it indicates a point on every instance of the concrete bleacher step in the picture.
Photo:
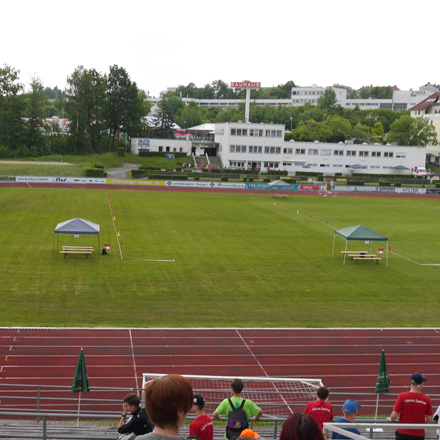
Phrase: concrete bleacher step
(56, 432)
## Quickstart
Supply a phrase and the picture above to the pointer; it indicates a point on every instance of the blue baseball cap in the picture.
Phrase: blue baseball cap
(351, 406)
(418, 379)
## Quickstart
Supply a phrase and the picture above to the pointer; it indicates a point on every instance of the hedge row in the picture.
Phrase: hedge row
(167, 177)
(95, 172)
(160, 154)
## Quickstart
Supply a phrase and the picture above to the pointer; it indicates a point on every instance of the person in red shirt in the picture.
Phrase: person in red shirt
(320, 409)
(412, 407)
(202, 426)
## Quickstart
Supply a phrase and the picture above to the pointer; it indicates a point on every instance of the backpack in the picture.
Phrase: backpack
(237, 421)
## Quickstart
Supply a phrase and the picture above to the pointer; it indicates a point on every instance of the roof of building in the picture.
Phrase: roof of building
(431, 100)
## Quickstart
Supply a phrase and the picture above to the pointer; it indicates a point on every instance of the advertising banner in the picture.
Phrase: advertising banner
(135, 182)
(69, 180)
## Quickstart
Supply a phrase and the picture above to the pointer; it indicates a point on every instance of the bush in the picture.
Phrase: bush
(355, 182)
(196, 178)
(160, 154)
(308, 173)
(167, 177)
(95, 172)
(266, 180)
(139, 172)
(224, 179)
(384, 183)
(437, 185)
(6, 153)
(121, 152)
(98, 166)
(397, 184)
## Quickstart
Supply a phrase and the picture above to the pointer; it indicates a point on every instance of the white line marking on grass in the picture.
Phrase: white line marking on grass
(415, 262)
(114, 225)
(146, 259)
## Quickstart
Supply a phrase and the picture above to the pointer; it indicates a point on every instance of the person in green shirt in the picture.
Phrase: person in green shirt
(249, 407)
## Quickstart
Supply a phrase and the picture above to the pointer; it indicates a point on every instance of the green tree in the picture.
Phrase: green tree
(377, 132)
(361, 134)
(163, 120)
(412, 131)
(311, 131)
(327, 100)
(85, 108)
(11, 109)
(190, 116)
(35, 118)
(340, 128)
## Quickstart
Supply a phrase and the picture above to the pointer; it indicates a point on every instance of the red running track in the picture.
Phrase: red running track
(347, 360)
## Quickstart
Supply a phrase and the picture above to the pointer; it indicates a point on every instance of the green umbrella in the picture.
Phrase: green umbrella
(383, 380)
(80, 380)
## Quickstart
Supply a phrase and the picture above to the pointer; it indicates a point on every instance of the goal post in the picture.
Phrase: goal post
(276, 396)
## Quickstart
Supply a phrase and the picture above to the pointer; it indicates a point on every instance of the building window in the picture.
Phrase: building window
(288, 150)
(300, 151)
(351, 152)
(233, 131)
(388, 154)
(375, 154)
(338, 152)
(266, 150)
(363, 153)
(278, 150)
(313, 151)
(271, 164)
(326, 152)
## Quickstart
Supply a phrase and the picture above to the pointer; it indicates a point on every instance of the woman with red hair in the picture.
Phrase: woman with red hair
(168, 400)
(301, 426)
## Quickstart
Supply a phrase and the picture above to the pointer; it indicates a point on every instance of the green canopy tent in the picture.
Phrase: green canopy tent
(359, 233)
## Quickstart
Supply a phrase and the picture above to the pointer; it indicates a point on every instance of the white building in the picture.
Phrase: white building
(401, 100)
(251, 146)
(161, 145)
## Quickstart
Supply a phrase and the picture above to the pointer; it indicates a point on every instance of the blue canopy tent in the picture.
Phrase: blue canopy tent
(76, 226)
(359, 233)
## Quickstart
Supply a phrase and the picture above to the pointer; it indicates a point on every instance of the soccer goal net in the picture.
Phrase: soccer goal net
(275, 396)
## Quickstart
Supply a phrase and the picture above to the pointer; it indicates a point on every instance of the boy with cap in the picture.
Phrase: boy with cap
(202, 426)
(413, 407)
(349, 411)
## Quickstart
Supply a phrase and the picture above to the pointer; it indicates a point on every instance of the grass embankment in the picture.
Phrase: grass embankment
(240, 260)
(78, 164)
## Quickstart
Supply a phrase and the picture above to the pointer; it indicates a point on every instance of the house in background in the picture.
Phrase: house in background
(429, 109)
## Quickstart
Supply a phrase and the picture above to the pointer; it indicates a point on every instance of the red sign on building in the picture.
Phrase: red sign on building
(245, 85)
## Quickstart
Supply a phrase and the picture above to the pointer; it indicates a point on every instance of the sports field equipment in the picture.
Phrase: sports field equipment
(275, 396)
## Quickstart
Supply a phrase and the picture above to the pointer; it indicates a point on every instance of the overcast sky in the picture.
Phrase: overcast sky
(166, 43)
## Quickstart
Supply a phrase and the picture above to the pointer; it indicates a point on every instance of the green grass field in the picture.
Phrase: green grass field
(241, 260)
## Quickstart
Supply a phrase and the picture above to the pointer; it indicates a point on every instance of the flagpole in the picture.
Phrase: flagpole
(377, 405)
(79, 404)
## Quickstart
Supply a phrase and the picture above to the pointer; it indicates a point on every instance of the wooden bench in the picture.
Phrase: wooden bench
(354, 252)
(369, 258)
(280, 196)
(85, 250)
(361, 255)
